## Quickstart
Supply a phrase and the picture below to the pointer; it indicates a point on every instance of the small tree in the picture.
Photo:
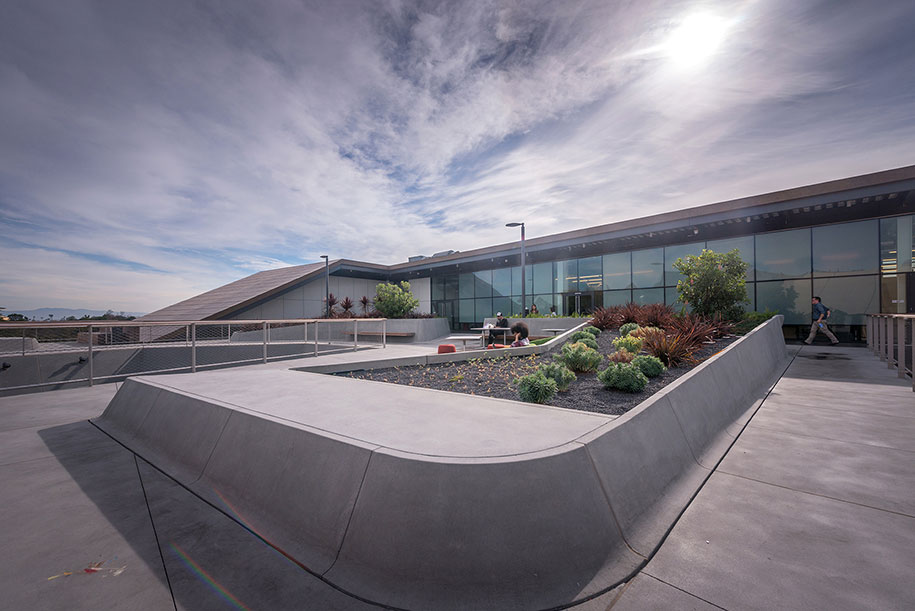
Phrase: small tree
(395, 301)
(714, 283)
(365, 302)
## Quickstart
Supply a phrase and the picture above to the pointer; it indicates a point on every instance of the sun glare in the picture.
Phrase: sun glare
(696, 39)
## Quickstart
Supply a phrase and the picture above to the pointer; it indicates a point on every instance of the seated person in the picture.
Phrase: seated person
(520, 330)
(501, 323)
(553, 313)
(534, 309)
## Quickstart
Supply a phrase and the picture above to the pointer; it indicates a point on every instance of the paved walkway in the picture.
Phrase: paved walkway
(813, 508)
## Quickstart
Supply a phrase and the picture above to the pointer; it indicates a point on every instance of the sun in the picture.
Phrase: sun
(696, 39)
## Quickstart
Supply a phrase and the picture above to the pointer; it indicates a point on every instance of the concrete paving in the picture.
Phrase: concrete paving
(812, 508)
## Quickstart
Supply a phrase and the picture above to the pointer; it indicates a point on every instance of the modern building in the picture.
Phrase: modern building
(849, 241)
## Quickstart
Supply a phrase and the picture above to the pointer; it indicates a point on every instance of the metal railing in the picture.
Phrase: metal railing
(34, 355)
(890, 338)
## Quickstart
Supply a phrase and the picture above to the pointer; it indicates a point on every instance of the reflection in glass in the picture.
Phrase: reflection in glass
(612, 298)
(502, 304)
(848, 299)
(783, 254)
(483, 309)
(590, 277)
(437, 289)
(893, 293)
(644, 296)
(672, 253)
(502, 282)
(565, 277)
(744, 245)
(528, 279)
(788, 297)
(465, 286)
(482, 283)
(648, 269)
(618, 271)
(466, 310)
(543, 277)
(846, 248)
(897, 245)
(451, 286)
(543, 303)
(671, 298)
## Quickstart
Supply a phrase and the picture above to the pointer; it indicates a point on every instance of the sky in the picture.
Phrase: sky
(151, 151)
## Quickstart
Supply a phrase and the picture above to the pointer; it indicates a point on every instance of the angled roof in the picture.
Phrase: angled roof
(221, 301)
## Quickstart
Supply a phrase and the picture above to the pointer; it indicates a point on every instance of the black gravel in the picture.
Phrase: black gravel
(497, 378)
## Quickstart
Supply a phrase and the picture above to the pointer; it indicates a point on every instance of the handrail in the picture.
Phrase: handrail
(890, 337)
(75, 324)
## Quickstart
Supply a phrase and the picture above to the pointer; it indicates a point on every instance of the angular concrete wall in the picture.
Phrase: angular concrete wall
(423, 499)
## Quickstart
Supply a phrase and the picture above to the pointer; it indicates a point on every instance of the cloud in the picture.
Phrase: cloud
(180, 146)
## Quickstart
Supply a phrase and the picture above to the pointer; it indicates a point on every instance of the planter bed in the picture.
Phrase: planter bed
(496, 378)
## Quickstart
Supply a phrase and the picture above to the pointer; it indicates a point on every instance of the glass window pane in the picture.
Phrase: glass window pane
(644, 296)
(451, 286)
(502, 304)
(482, 283)
(672, 253)
(515, 309)
(543, 277)
(483, 309)
(590, 277)
(618, 271)
(846, 248)
(502, 282)
(744, 245)
(465, 286)
(543, 303)
(893, 293)
(671, 298)
(788, 297)
(565, 278)
(466, 310)
(784, 254)
(648, 268)
(848, 299)
(612, 298)
(437, 288)
(897, 245)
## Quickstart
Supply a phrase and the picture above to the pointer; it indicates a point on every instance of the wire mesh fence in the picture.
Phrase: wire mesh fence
(37, 355)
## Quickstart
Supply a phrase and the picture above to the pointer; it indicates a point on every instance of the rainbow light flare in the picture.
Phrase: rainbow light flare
(206, 578)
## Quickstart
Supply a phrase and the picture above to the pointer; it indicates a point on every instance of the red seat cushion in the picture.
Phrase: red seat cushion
(446, 348)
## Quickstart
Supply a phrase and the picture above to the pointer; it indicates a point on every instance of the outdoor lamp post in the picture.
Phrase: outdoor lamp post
(326, 285)
(523, 266)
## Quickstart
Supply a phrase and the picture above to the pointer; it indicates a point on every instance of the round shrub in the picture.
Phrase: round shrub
(579, 357)
(651, 366)
(592, 330)
(588, 340)
(536, 388)
(626, 377)
(628, 343)
(580, 335)
(621, 356)
(559, 373)
(628, 328)
(644, 331)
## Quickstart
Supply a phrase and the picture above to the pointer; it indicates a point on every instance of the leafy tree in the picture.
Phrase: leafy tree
(395, 301)
(715, 283)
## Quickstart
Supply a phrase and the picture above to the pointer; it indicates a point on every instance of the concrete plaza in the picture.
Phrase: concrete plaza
(812, 508)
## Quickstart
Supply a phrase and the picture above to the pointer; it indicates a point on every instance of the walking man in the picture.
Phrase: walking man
(819, 314)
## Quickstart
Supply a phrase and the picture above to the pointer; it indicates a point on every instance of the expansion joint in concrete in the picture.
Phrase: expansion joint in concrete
(152, 522)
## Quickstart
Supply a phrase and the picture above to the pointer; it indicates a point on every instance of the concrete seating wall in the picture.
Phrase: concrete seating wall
(496, 529)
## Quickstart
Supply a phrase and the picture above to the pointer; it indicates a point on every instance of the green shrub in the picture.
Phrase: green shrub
(559, 373)
(579, 357)
(587, 339)
(540, 341)
(751, 320)
(713, 283)
(628, 343)
(592, 330)
(536, 388)
(626, 377)
(628, 328)
(394, 301)
(643, 331)
(580, 335)
(651, 366)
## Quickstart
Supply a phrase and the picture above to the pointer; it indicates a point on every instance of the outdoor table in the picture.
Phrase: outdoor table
(462, 338)
(505, 331)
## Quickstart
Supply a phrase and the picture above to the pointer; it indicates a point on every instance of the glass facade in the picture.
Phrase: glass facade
(857, 268)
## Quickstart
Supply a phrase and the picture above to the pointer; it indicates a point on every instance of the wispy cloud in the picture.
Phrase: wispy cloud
(172, 147)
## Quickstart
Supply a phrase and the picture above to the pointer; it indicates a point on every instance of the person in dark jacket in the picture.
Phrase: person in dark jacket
(819, 315)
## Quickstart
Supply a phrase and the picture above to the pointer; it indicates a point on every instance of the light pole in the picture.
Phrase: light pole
(326, 285)
(523, 266)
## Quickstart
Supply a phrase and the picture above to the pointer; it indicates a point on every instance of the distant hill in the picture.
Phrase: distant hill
(60, 313)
